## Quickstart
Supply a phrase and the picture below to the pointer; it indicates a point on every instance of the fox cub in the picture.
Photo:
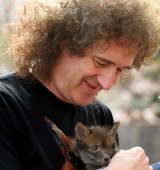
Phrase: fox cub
(95, 145)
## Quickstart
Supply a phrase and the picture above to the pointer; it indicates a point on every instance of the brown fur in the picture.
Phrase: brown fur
(95, 145)
(92, 147)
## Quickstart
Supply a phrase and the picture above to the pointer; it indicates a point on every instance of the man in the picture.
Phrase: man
(65, 54)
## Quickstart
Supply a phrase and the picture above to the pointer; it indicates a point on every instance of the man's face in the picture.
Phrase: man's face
(77, 79)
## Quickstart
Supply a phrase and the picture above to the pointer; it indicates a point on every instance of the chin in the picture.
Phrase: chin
(86, 102)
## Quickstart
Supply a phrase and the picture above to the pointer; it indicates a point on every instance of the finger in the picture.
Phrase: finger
(145, 161)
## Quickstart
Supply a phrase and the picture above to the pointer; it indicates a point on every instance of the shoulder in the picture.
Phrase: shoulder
(9, 83)
(15, 87)
(8, 79)
(12, 89)
(11, 94)
(10, 102)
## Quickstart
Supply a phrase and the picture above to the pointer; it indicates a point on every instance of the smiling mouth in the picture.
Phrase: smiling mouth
(90, 85)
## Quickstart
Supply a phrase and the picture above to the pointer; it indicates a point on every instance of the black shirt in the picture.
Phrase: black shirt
(26, 143)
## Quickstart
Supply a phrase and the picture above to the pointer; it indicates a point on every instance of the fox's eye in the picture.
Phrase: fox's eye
(94, 147)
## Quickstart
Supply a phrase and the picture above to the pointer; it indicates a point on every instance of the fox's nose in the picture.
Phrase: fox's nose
(106, 160)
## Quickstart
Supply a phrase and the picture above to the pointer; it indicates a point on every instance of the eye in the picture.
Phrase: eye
(95, 147)
(119, 71)
(100, 63)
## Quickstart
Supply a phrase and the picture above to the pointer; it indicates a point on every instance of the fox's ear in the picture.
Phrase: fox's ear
(81, 131)
(114, 128)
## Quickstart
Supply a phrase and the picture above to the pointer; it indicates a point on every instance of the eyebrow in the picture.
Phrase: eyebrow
(111, 62)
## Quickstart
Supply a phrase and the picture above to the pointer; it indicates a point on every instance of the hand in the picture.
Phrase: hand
(132, 159)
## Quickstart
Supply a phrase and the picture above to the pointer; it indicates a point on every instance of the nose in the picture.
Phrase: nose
(106, 160)
(107, 78)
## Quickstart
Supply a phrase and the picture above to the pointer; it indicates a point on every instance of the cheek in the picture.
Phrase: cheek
(73, 79)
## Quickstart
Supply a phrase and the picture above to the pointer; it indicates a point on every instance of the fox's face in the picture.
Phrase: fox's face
(95, 145)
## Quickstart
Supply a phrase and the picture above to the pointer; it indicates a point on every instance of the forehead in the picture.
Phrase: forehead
(113, 50)
(119, 53)
(103, 46)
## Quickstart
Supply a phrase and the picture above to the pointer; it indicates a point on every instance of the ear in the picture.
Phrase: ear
(81, 131)
(114, 128)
